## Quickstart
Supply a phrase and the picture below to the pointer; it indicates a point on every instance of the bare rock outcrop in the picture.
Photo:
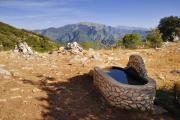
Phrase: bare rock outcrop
(73, 48)
(23, 48)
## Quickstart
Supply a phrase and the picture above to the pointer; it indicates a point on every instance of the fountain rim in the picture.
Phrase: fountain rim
(100, 71)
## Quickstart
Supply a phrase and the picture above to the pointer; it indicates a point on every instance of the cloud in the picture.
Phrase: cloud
(37, 3)
(41, 13)
(30, 3)
(37, 8)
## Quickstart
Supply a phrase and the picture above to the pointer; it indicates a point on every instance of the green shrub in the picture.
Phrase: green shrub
(132, 40)
(154, 38)
(119, 43)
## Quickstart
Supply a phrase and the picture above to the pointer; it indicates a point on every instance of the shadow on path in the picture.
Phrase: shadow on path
(77, 99)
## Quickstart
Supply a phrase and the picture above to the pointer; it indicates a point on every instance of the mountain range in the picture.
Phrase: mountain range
(88, 31)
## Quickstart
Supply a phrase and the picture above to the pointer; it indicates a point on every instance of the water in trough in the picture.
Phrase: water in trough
(121, 76)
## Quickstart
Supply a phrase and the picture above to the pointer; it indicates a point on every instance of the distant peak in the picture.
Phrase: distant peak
(91, 24)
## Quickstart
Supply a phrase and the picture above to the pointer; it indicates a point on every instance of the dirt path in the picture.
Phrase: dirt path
(53, 88)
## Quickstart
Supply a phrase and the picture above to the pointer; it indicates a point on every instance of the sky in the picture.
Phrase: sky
(40, 14)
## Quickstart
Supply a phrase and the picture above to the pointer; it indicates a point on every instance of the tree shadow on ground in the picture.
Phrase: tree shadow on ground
(77, 99)
(166, 98)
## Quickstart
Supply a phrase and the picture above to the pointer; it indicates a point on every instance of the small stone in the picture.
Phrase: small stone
(25, 102)
(14, 97)
(129, 94)
(29, 97)
(139, 98)
(14, 89)
(143, 109)
(161, 77)
(127, 107)
(35, 90)
(3, 71)
(3, 100)
(146, 98)
(135, 94)
(175, 72)
(142, 95)
(139, 105)
(129, 102)
(117, 89)
(143, 102)
(133, 106)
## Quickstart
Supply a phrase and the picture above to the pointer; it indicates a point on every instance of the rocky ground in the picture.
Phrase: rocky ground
(57, 86)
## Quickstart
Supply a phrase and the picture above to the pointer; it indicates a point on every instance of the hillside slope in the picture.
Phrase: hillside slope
(10, 36)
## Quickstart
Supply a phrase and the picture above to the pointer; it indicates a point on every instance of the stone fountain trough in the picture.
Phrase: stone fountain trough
(127, 88)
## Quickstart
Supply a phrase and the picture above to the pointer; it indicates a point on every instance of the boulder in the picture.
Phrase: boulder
(23, 47)
(73, 48)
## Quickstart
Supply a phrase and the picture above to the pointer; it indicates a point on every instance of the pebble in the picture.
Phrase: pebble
(3, 100)
(161, 77)
(14, 89)
(4, 72)
(14, 97)
(175, 72)
(35, 90)
(29, 97)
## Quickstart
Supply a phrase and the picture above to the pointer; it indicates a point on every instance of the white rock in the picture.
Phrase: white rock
(62, 50)
(73, 48)
(23, 47)
(160, 76)
(35, 90)
(14, 97)
(14, 89)
(3, 71)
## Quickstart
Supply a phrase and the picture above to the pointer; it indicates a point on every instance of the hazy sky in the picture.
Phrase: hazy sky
(38, 14)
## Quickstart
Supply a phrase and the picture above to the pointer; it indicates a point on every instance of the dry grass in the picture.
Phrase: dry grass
(46, 85)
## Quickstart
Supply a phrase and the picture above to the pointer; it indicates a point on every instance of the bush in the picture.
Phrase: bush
(169, 27)
(132, 40)
(119, 43)
(154, 38)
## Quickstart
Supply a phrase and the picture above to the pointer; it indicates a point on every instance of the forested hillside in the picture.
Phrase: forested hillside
(10, 36)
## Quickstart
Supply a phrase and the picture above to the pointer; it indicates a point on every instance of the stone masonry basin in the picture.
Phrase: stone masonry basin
(136, 92)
